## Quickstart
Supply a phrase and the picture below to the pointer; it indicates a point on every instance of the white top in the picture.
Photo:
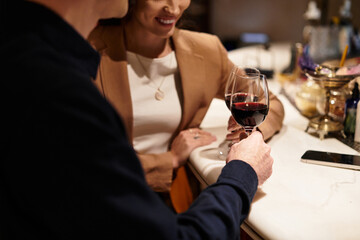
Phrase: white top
(154, 121)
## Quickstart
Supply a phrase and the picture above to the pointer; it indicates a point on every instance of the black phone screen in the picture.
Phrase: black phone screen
(332, 159)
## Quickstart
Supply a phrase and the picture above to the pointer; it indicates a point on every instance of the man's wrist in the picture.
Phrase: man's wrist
(241, 174)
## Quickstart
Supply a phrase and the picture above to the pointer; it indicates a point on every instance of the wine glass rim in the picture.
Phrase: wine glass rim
(253, 102)
(248, 75)
(240, 71)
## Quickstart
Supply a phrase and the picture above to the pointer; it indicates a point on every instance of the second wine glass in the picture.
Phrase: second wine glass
(236, 71)
(249, 101)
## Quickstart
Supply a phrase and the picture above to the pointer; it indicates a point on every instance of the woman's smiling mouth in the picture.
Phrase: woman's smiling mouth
(165, 21)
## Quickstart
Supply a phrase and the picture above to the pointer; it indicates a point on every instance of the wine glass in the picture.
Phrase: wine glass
(222, 150)
(249, 101)
(247, 71)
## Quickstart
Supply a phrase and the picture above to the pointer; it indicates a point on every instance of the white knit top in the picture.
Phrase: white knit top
(154, 121)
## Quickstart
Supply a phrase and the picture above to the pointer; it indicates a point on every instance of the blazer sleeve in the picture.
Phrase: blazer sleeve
(274, 119)
(158, 170)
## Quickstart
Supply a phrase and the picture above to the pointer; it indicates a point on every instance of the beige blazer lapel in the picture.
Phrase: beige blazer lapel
(113, 75)
(192, 72)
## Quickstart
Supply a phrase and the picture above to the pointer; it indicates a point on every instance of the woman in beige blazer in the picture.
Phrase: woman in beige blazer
(203, 68)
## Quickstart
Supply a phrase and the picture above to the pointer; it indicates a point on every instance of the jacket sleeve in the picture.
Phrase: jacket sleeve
(158, 170)
(274, 119)
(221, 208)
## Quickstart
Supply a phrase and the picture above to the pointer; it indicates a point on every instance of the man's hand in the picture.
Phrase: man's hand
(254, 151)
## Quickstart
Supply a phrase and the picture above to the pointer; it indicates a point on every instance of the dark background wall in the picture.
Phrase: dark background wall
(282, 20)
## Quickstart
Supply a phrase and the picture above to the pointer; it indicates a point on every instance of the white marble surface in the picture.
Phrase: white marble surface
(299, 200)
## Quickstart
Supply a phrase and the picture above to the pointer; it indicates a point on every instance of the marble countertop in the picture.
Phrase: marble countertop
(300, 200)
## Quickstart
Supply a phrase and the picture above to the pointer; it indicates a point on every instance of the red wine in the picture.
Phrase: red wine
(239, 97)
(249, 114)
(227, 100)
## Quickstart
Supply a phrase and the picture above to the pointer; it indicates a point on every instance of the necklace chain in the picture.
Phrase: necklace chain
(159, 94)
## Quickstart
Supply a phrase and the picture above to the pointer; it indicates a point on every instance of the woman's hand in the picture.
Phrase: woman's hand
(186, 142)
(237, 132)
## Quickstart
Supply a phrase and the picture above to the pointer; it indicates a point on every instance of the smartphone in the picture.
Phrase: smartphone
(332, 159)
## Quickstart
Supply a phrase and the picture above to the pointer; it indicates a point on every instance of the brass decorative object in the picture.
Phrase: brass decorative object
(326, 77)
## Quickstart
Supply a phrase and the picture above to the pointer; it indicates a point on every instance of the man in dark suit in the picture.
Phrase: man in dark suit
(67, 170)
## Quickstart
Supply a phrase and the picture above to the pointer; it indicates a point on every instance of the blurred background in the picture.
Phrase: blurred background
(286, 38)
(280, 20)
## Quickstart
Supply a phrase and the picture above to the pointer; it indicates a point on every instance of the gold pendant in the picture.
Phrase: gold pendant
(159, 95)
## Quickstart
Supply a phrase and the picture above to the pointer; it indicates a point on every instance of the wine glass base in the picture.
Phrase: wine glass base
(323, 125)
(214, 154)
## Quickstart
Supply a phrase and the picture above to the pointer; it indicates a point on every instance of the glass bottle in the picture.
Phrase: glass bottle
(357, 127)
(346, 27)
(312, 17)
(350, 109)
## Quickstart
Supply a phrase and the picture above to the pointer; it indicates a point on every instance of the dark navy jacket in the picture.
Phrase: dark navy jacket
(66, 168)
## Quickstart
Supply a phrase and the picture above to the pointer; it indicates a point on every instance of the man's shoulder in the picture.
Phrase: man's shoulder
(34, 67)
(27, 50)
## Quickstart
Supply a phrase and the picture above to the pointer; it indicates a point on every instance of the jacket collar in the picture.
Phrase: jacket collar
(113, 74)
(192, 72)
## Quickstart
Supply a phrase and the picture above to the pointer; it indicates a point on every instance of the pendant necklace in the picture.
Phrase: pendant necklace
(159, 94)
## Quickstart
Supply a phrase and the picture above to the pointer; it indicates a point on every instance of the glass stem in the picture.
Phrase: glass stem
(248, 131)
